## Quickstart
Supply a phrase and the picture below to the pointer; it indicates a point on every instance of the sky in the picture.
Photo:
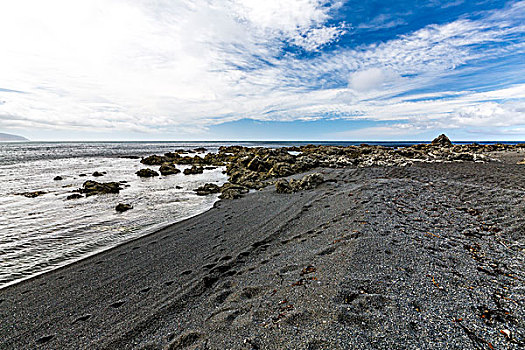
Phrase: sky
(262, 70)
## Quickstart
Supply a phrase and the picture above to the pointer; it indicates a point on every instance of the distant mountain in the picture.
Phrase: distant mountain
(9, 137)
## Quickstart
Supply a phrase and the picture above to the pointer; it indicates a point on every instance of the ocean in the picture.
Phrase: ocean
(43, 233)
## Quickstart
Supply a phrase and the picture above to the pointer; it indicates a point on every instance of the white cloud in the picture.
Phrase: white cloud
(186, 65)
(372, 78)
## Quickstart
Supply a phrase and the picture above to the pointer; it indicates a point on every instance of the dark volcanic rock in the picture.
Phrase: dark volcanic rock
(97, 174)
(90, 188)
(146, 173)
(58, 178)
(82, 175)
(442, 141)
(74, 196)
(168, 169)
(200, 150)
(207, 189)
(194, 170)
(33, 194)
(121, 207)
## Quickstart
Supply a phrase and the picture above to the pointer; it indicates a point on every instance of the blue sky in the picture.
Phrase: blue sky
(254, 70)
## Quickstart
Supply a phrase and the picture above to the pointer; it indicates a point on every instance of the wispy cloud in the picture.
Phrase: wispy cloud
(183, 66)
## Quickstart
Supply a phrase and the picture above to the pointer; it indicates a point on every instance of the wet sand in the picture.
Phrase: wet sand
(426, 256)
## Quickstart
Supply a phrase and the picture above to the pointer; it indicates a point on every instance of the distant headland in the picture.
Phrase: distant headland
(8, 137)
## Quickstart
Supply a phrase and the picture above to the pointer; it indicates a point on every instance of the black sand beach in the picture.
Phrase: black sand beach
(427, 256)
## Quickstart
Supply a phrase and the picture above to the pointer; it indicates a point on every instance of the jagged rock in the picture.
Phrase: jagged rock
(90, 188)
(123, 207)
(33, 194)
(232, 191)
(442, 141)
(281, 169)
(146, 173)
(58, 178)
(207, 189)
(194, 170)
(168, 169)
(154, 160)
(283, 186)
(74, 196)
(308, 182)
(97, 174)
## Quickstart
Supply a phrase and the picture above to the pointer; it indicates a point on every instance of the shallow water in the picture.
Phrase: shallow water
(43, 233)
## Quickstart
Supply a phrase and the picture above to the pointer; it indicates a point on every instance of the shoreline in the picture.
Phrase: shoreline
(102, 251)
(377, 257)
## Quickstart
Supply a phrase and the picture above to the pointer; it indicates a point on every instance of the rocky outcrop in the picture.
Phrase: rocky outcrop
(193, 170)
(442, 141)
(256, 167)
(121, 207)
(207, 189)
(97, 174)
(90, 188)
(58, 178)
(168, 169)
(146, 173)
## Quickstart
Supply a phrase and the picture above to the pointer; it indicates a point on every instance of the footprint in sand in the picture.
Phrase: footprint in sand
(117, 304)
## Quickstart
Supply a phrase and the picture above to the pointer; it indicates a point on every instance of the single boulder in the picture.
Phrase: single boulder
(97, 174)
(442, 141)
(58, 178)
(200, 150)
(207, 189)
(194, 170)
(90, 188)
(168, 169)
(74, 196)
(123, 207)
(33, 194)
(146, 173)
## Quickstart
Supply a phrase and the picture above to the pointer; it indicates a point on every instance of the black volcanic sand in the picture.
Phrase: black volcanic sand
(429, 256)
